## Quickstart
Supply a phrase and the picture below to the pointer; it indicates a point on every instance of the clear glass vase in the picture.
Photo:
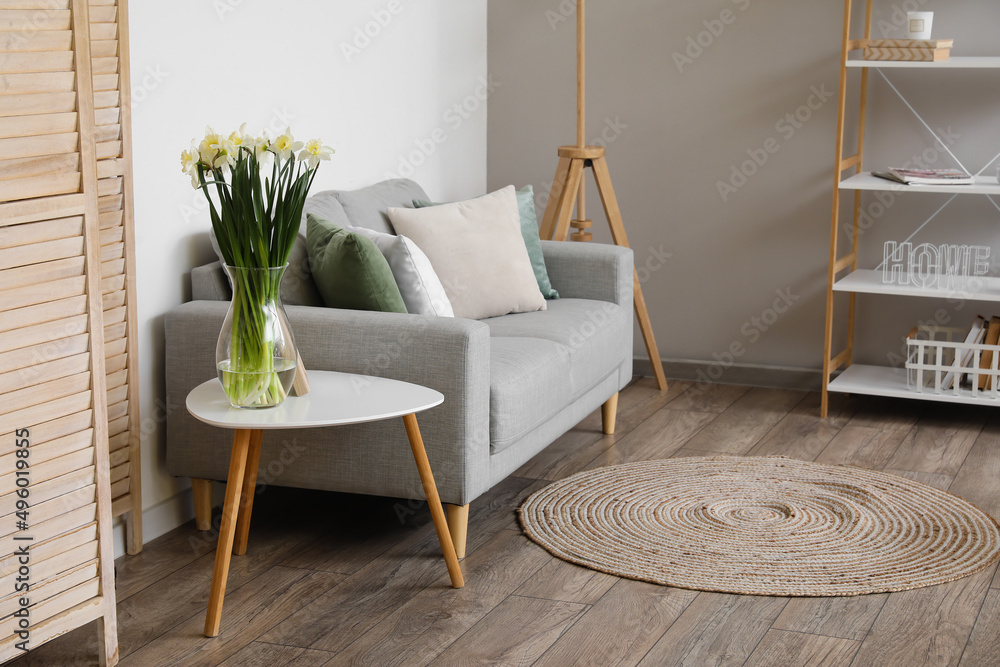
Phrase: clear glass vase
(256, 356)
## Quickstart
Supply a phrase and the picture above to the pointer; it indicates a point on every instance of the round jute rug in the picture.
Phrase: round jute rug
(761, 526)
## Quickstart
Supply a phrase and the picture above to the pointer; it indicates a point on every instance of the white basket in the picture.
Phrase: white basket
(939, 361)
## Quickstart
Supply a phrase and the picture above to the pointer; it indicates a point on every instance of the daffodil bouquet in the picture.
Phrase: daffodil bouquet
(256, 220)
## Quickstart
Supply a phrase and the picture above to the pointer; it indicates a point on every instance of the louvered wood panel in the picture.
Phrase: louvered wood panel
(53, 377)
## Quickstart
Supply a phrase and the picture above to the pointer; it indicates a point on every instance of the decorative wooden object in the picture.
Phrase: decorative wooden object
(568, 186)
(52, 336)
(112, 98)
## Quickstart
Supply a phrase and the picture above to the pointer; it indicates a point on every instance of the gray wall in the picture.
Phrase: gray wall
(679, 119)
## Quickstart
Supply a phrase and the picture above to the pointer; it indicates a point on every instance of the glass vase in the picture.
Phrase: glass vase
(256, 357)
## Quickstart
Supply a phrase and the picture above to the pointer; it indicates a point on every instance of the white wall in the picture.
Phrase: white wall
(386, 102)
(687, 91)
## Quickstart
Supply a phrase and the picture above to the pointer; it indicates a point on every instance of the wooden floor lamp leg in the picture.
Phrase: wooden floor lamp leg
(614, 214)
(246, 497)
(573, 183)
(227, 531)
(548, 227)
(433, 500)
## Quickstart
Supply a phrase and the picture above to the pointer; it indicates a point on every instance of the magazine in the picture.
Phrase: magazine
(926, 176)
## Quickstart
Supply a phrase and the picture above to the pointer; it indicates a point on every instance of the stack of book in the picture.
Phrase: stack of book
(923, 50)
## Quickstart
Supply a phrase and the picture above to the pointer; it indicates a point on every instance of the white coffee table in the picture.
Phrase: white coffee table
(333, 399)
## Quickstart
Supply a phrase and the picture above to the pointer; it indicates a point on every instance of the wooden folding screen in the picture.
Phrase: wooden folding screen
(53, 385)
(109, 49)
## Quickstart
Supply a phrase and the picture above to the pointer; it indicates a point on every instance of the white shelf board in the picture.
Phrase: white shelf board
(891, 382)
(984, 185)
(955, 62)
(870, 282)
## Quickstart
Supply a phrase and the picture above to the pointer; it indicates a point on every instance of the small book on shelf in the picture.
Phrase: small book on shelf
(986, 358)
(926, 176)
(912, 50)
(965, 357)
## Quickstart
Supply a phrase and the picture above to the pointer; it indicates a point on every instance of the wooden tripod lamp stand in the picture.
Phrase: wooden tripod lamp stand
(568, 186)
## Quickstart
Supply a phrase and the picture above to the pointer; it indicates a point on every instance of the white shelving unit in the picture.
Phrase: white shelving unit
(844, 274)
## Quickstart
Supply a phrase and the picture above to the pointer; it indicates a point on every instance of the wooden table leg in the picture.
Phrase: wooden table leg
(246, 498)
(433, 500)
(224, 550)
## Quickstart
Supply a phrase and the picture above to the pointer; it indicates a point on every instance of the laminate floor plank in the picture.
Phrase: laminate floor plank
(621, 627)
(887, 413)
(781, 648)
(746, 421)
(862, 446)
(657, 438)
(845, 618)
(559, 580)
(259, 654)
(715, 629)
(426, 625)
(983, 647)
(515, 632)
(796, 436)
(925, 626)
(709, 397)
(940, 441)
(246, 614)
(349, 610)
(978, 480)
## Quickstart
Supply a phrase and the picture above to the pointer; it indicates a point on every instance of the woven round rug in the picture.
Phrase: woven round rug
(761, 526)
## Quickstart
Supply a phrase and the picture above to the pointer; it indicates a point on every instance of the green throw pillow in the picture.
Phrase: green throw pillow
(529, 230)
(349, 270)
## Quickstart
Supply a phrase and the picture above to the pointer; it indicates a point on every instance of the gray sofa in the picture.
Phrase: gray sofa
(512, 384)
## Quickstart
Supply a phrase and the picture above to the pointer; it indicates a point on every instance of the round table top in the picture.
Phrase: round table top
(334, 398)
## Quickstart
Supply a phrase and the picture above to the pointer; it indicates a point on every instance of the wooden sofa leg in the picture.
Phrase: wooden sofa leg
(608, 413)
(202, 491)
(458, 526)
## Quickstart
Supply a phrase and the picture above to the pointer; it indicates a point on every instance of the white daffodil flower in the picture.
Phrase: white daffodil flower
(260, 147)
(213, 149)
(315, 151)
(240, 139)
(284, 145)
(190, 159)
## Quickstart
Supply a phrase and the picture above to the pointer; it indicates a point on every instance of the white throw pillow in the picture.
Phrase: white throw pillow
(419, 285)
(477, 251)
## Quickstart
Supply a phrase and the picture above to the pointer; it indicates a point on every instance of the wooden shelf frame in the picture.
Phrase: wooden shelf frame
(843, 274)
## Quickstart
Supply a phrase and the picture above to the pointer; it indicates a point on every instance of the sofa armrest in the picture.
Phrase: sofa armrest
(590, 271)
(450, 355)
(209, 283)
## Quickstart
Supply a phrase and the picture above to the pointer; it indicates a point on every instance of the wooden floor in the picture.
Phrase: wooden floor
(359, 580)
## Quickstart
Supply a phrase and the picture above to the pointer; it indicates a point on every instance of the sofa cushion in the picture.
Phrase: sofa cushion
(349, 269)
(588, 332)
(419, 285)
(477, 251)
(529, 383)
(529, 230)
